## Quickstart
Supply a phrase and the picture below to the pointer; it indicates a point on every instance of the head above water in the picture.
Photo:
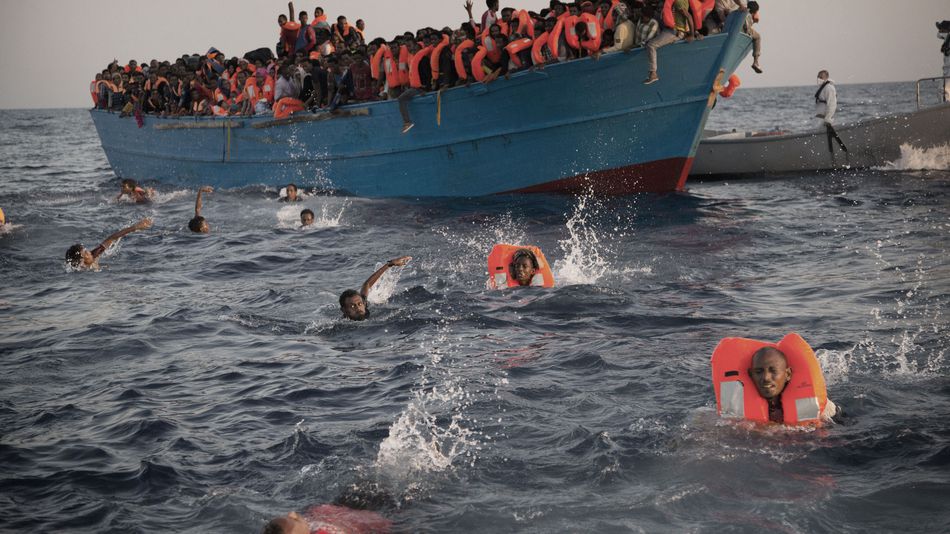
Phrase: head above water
(77, 256)
(770, 372)
(199, 225)
(524, 265)
(306, 217)
(353, 305)
(291, 192)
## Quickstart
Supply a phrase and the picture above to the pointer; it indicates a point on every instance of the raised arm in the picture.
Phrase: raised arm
(141, 225)
(290, 7)
(204, 189)
(371, 281)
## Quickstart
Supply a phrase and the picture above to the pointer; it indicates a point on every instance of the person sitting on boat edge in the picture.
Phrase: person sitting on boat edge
(679, 25)
(78, 257)
(771, 374)
(353, 303)
(306, 217)
(137, 194)
(752, 18)
(199, 224)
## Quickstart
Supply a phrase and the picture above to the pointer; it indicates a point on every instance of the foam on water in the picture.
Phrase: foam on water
(920, 159)
(587, 254)
(386, 286)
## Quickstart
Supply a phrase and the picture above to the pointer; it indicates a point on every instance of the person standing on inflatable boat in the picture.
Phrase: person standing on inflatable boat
(353, 304)
(771, 374)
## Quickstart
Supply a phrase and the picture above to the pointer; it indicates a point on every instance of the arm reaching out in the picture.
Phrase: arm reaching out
(141, 225)
(290, 7)
(204, 189)
(371, 281)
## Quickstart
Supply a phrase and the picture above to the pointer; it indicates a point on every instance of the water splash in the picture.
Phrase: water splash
(386, 286)
(584, 249)
(476, 246)
(920, 159)
(288, 217)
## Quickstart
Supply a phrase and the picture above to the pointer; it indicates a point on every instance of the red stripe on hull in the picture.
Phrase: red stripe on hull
(661, 176)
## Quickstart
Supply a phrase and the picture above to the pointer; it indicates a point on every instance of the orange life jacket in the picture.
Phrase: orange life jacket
(459, 58)
(499, 267)
(525, 24)
(491, 49)
(267, 90)
(287, 106)
(375, 62)
(730, 89)
(391, 68)
(251, 92)
(594, 33)
(318, 20)
(554, 37)
(220, 110)
(478, 70)
(699, 10)
(434, 58)
(288, 27)
(414, 79)
(803, 399)
(94, 91)
(570, 32)
(404, 58)
(537, 49)
(517, 46)
(314, 55)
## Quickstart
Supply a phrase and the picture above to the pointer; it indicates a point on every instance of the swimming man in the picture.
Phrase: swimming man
(79, 258)
(306, 217)
(135, 192)
(199, 224)
(353, 304)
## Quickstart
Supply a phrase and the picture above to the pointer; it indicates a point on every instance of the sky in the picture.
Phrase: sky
(51, 49)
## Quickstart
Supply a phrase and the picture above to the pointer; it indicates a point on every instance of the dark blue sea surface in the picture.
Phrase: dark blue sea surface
(208, 383)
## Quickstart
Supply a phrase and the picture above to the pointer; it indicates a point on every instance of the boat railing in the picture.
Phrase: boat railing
(943, 92)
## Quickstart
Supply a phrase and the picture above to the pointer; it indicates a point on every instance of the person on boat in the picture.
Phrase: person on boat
(306, 38)
(826, 104)
(291, 194)
(289, 31)
(625, 33)
(943, 33)
(353, 303)
(135, 193)
(752, 18)
(682, 29)
(78, 257)
(770, 373)
(199, 224)
(306, 217)
(647, 27)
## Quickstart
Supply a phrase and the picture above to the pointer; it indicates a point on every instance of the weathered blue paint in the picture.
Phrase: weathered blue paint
(538, 127)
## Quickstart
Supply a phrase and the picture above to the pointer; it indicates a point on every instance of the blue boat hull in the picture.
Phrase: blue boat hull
(575, 125)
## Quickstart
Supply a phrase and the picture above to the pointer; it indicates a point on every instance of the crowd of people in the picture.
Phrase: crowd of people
(322, 64)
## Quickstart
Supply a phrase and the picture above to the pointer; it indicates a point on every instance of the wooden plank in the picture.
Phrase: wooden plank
(315, 117)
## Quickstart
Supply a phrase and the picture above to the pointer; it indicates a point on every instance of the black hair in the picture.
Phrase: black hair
(522, 253)
(347, 294)
(275, 526)
(195, 224)
(753, 7)
(74, 255)
(129, 182)
(306, 212)
(292, 185)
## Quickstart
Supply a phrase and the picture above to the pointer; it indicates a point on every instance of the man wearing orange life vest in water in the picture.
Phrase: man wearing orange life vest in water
(523, 267)
(770, 373)
(353, 304)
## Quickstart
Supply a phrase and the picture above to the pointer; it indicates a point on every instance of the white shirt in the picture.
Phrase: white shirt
(828, 102)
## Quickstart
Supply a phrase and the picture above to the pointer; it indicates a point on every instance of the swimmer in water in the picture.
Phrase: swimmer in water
(353, 304)
(306, 218)
(292, 194)
(524, 265)
(136, 193)
(770, 373)
(199, 224)
(3, 219)
(351, 513)
(79, 258)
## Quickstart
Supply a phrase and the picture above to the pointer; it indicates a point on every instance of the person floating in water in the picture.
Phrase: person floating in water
(292, 194)
(514, 266)
(771, 382)
(136, 193)
(351, 513)
(353, 304)
(771, 374)
(199, 224)
(306, 217)
(79, 258)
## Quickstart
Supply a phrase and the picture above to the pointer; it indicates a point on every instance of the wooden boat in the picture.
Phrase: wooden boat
(571, 126)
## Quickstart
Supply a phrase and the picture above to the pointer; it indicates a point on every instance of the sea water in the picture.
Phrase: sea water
(206, 383)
